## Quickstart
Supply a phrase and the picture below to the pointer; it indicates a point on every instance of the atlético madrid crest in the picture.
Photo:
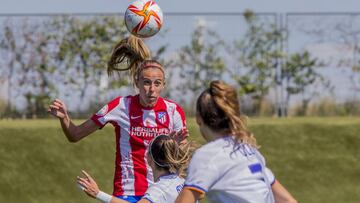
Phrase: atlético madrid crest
(161, 116)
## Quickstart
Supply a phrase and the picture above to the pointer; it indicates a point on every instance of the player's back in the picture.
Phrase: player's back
(165, 190)
(230, 174)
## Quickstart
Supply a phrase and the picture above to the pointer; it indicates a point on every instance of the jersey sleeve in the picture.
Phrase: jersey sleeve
(267, 172)
(179, 118)
(155, 195)
(269, 175)
(202, 174)
(106, 114)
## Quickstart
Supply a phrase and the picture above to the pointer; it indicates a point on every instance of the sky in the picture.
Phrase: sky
(111, 6)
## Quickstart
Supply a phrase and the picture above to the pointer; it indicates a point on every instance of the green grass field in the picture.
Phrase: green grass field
(317, 159)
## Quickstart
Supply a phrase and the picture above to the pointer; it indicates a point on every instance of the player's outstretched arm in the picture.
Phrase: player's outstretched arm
(90, 187)
(281, 195)
(73, 132)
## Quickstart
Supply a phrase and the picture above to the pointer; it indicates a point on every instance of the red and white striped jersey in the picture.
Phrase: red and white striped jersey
(135, 126)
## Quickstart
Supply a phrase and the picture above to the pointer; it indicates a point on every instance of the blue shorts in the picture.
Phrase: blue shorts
(131, 199)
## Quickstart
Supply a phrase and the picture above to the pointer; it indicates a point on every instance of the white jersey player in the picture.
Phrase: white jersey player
(229, 168)
(167, 160)
(165, 190)
(232, 173)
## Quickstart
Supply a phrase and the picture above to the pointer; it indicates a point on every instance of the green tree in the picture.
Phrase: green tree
(22, 48)
(258, 53)
(200, 61)
(82, 49)
(261, 56)
(299, 74)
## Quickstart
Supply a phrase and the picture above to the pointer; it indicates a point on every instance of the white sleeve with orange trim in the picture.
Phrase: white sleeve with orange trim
(201, 173)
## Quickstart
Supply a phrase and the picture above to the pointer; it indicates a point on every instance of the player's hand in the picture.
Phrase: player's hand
(180, 136)
(88, 184)
(58, 109)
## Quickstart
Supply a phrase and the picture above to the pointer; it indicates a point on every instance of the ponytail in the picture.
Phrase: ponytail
(167, 154)
(128, 54)
(219, 108)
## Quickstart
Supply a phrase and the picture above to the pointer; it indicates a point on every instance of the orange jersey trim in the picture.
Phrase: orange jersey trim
(202, 193)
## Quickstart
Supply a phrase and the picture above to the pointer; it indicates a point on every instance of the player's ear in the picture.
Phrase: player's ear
(150, 160)
(137, 83)
(198, 118)
(163, 80)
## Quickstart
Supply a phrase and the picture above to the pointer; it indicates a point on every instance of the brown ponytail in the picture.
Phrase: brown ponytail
(167, 154)
(132, 54)
(128, 54)
(219, 108)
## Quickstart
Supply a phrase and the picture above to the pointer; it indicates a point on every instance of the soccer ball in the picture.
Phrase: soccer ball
(143, 18)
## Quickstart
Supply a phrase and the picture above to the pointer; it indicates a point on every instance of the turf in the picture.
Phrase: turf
(317, 159)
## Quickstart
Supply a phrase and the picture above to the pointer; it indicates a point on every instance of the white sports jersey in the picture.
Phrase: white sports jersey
(228, 173)
(165, 190)
(135, 126)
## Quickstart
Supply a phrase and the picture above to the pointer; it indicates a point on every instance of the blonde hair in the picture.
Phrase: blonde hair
(168, 155)
(219, 108)
(132, 54)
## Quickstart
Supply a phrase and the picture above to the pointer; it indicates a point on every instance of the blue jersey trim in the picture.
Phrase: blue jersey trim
(148, 199)
(272, 183)
(195, 186)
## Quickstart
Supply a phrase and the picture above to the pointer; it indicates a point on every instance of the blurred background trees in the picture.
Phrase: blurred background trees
(200, 62)
(66, 56)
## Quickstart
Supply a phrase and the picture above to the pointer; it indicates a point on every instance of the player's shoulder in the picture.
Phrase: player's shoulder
(172, 106)
(116, 99)
(166, 188)
(120, 100)
(130, 97)
(216, 144)
(209, 151)
(170, 102)
(110, 106)
(155, 194)
(168, 181)
(215, 150)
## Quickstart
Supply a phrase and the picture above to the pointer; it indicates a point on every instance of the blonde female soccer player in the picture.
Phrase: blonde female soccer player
(167, 159)
(229, 168)
(136, 118)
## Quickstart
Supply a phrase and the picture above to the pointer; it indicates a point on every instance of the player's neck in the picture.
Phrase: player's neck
(147, 105)
(211, 135)
(158, 173)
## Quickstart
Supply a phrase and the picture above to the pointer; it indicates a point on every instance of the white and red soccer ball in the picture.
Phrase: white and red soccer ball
(143, 18)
